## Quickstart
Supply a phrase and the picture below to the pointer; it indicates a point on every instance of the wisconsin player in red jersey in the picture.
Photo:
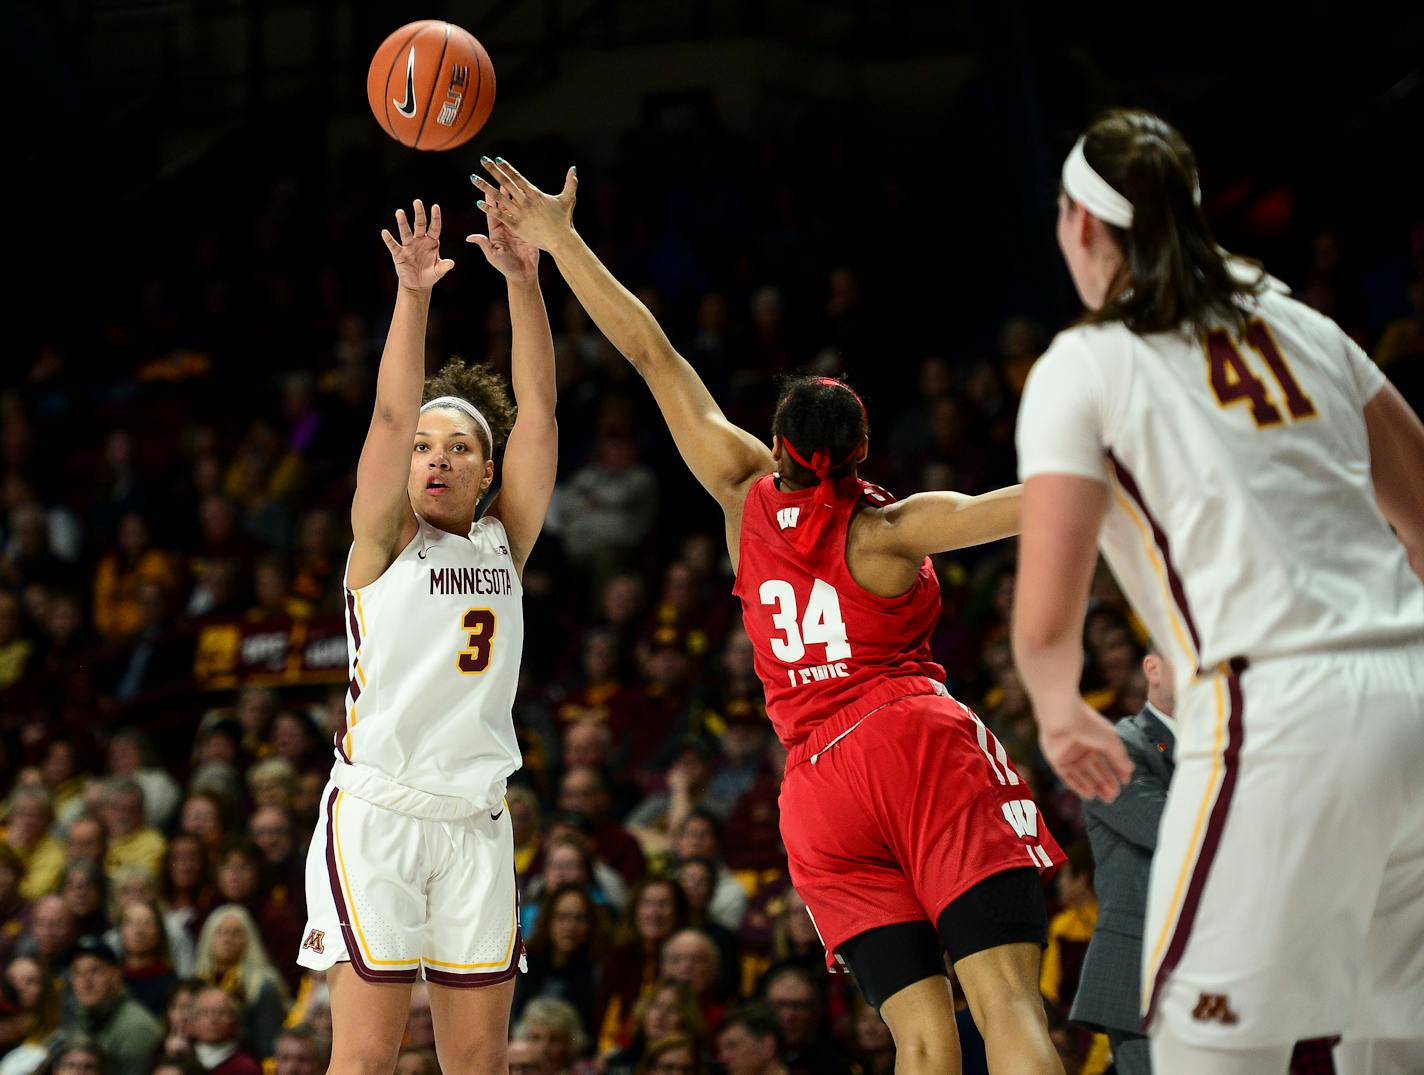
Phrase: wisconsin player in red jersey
(908, 830)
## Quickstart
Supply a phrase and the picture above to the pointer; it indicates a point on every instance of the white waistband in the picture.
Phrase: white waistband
(375, 787)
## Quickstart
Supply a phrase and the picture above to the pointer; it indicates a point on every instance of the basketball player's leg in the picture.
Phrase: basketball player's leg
(1386, 1037)
(367, 1022)
(472, 1027)
(365, 923)
(994, 934)
(900, 971)
(473, 948)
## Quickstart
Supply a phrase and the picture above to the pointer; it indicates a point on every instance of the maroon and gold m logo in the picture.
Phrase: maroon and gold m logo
(313, 941)
(1215, 1008)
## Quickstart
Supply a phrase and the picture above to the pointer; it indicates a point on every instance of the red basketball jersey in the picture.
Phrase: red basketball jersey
(821, 639)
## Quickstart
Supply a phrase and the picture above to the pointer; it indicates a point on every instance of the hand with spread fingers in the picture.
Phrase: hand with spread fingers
(1085, 751)
(417, 255)
(546, 220)
(516, 259)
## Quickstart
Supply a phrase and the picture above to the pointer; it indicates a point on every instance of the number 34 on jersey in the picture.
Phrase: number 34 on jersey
(819, 624)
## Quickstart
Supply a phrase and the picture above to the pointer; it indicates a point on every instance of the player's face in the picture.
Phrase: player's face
(448, 468)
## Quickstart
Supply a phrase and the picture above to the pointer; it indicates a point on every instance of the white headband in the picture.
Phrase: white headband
(1095, 194)
(462, 405)
(1092, 191)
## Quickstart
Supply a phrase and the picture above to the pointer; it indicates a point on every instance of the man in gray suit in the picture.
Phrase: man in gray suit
(1123, 835)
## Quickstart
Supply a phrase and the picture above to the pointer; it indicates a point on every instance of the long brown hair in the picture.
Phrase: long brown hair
(1173, 273)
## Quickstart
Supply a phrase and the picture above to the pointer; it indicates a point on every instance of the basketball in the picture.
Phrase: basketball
(431, 85)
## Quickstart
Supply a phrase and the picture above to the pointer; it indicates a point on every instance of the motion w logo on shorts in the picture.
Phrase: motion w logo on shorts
(1022, 816)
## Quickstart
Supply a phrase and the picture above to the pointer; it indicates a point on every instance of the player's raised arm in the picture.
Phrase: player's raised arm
(381, 505)
(928, 523)
(721, 456)
(531, 454)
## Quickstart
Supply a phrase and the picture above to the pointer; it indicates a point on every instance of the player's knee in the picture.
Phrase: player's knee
(474, 1058)
(362, 1061)
(926, 1049)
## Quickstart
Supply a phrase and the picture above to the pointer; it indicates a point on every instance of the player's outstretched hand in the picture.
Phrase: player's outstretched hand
(1084, 750)
(542, 219)
(417, 255)
(507, 252)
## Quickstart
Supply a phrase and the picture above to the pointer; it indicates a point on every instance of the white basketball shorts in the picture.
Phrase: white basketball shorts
(396, 894)
(1285, 893)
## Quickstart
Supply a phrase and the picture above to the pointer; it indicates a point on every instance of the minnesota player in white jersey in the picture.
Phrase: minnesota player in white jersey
(1240, 462)
(411, 866)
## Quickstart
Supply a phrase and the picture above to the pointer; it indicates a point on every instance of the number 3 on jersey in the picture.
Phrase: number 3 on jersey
(822, 622)
(478, 624)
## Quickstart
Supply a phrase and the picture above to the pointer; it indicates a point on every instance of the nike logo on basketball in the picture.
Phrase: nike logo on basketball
(1215, 1008)
(407, 108)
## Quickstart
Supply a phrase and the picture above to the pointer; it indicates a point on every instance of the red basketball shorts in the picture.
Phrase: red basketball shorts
(897, 818)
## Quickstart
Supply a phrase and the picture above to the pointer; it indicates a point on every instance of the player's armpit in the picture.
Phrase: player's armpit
(928, 523)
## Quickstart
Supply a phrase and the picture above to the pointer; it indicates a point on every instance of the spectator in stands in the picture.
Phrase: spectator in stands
(1123, 836)
(872, 1047)
(1070, 930)
(83, 1056)
(131, 562)
(743, 751)
(134, 884)
(565, 952)
(84, 890)
(242, 881)
(50, 934)
(147, 965)
(85, 841)
(555, 1025)
(27, 834)
(203, 815)
(697, 878)
(272, 831)
(217, 1040)
(659, 815)
(131, 756)
(36, 995)
(691, 957)
(795, 995)
(675, 1055)
(524, 1058)
(15, 648)
(665, 1009)
(231, 955)
(698, 836)
(525, 818)
(131, 840)
(419, 1024)
(656, 910)
(300, 1050)
(272, 782)
(14, 908)
(584, 791)
(187, 882)
(126, 1031)
(749, 1042)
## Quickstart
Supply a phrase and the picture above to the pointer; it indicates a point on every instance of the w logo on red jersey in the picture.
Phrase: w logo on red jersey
(786, 517)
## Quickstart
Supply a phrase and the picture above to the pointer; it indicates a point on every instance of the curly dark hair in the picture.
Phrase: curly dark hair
(480, 386)
(819, 414)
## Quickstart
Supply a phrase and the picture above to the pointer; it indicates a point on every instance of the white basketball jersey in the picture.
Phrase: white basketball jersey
(1241, 518)
(434, 646)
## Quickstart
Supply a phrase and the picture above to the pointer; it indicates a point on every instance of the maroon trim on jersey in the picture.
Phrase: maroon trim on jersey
(351, 620)
(1231, 757)
(1159, 536)
(347, 934)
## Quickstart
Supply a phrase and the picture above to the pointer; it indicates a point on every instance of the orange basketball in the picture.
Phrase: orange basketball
(431, 85)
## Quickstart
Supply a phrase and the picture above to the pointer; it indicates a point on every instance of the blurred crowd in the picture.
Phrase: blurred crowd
(176, 466)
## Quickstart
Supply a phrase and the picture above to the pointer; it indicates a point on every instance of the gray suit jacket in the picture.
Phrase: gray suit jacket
(1123, 835)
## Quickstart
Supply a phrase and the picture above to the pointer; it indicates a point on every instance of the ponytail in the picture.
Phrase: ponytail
(1173, 274)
